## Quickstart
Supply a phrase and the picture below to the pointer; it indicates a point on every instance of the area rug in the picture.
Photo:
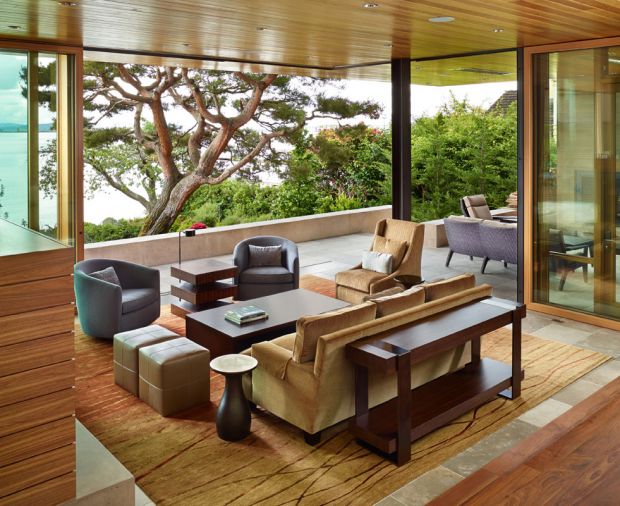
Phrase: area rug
(181, 461)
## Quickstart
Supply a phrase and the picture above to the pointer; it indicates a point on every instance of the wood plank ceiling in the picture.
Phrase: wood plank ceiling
(334, 38)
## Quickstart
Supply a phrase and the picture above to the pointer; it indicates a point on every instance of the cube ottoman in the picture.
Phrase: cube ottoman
(126, 348)
(174, 375)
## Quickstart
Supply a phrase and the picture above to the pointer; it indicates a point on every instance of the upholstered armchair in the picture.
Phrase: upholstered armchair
(105, 308)
(463, 236)
(258, 278)
(475, 206)
(500, 242)
(354, 284)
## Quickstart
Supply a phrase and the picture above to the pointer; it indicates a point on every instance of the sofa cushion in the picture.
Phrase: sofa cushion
(358, 279)
(261, 256)
(392, 247)
(395, 303)
(137, 298)
(378, 262)
(390, 291)
(310, 328)
(440, 289)
(108, 274)
(266, 275)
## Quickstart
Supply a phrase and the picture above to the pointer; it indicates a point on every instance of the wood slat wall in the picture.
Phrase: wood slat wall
(37, 377)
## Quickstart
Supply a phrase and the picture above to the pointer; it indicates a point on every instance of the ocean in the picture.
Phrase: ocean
(14, 180)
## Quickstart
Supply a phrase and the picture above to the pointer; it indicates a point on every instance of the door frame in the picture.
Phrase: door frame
(529, 182)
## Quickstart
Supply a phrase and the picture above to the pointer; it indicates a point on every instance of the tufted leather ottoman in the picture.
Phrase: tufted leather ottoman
(174, 375)
(126, 348)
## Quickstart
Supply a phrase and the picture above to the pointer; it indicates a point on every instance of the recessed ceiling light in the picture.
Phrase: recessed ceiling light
(14, 27)
(68, 4)
(186, 44)
(497, 30)
(387, 44)
(370, 5)
(261, 28)
(441, 19)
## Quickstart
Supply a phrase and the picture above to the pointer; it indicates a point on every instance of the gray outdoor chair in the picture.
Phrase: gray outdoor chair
(500, 242)
(259, 281)
(463, 236)
(104, 308)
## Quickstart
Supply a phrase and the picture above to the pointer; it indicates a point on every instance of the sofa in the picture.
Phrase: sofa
(486, 239)
(312, 387)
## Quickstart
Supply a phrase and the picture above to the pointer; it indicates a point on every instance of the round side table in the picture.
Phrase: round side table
(233, 414)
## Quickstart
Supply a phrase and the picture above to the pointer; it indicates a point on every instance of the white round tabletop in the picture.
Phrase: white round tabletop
(233, 364)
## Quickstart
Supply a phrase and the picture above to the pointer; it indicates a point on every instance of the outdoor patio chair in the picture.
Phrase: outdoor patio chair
(563, 263)
(354, 284)
(258, 278)
(475, 206)
(106, 308)
(500, 242)
(463, 236)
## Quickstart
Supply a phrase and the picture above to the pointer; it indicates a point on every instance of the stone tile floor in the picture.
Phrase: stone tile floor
(326, 257)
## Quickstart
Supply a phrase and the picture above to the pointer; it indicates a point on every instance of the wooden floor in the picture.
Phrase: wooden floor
(573, 460)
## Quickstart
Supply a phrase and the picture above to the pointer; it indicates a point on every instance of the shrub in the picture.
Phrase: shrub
(111, 230)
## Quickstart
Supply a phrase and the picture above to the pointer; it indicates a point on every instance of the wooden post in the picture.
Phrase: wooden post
(401, 139)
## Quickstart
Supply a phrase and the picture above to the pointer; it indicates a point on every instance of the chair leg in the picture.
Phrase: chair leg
(312, 439)
(585, 273)
(450, 253)
(484, 264)
(563, 280)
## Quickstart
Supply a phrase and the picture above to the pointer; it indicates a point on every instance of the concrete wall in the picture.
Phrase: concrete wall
(163, 249)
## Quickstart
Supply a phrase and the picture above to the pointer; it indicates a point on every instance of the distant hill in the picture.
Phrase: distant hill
(16, 127)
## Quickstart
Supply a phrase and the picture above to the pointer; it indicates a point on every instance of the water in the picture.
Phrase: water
(14, 178)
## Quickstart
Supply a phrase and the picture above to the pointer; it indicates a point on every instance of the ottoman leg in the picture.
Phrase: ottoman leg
(233, 415)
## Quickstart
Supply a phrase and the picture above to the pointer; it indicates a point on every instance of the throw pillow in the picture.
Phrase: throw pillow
(378, 262)
(108, 274)
(263, 256)
(391, 246)
(310, 328)
(400, 301)
(446, 287)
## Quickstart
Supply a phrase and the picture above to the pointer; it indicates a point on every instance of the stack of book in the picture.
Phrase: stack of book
(246, 314)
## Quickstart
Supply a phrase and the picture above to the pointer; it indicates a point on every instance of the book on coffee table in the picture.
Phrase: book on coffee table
(245, 314)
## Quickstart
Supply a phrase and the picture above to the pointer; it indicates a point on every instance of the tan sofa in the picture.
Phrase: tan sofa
(316, 393)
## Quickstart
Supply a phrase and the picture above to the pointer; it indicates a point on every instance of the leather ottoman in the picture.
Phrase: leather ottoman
(174, 375)
(126, 348)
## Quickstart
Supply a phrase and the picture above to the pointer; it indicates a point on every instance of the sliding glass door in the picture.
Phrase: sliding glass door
(577, 184)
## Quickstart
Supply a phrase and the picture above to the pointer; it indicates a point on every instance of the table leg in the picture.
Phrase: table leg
(361, 390)
(403, 438)
(515, 390)
(475, 350)
(233, 416)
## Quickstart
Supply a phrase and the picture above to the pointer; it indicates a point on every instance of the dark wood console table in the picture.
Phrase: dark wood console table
(200, 285)
(392, 426)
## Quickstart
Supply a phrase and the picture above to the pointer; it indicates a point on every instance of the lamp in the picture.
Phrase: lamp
(190, 232)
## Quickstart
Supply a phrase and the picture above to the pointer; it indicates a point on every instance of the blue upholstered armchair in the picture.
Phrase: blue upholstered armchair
(105, 308)
(258, 281)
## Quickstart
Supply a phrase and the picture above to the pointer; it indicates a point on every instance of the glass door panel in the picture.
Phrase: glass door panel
(577, 189)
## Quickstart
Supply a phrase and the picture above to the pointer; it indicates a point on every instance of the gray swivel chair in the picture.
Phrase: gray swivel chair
(500, 242)
(260, 280)
(104, 308)
(463, 236)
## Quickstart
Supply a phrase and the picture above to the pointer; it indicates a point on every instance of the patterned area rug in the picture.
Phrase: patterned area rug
(181, 461)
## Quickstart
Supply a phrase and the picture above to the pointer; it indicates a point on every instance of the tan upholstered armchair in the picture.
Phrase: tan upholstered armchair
(402, 239)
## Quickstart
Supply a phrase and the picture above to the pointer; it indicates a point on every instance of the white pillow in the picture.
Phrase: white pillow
(378, 262)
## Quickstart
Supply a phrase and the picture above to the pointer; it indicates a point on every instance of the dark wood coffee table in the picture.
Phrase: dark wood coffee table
(392, 426)
(210, 329)
(200, 285)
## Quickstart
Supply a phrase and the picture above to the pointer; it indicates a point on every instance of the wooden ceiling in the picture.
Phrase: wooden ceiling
(338, 38)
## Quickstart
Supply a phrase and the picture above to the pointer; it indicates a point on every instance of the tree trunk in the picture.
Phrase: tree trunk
(169, 205)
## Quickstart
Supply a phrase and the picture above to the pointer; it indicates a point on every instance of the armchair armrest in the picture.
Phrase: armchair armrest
(292, 261)
(241, 258)
(140, 276)
(385, 283)
(272, 358)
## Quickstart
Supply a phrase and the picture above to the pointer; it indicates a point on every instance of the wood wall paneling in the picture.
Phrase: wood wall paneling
(21, 327)
(37, 440)
(36, 382)
(30, 413)
(34, 295)
(55, 491)
(38, 469)
(50, 350)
